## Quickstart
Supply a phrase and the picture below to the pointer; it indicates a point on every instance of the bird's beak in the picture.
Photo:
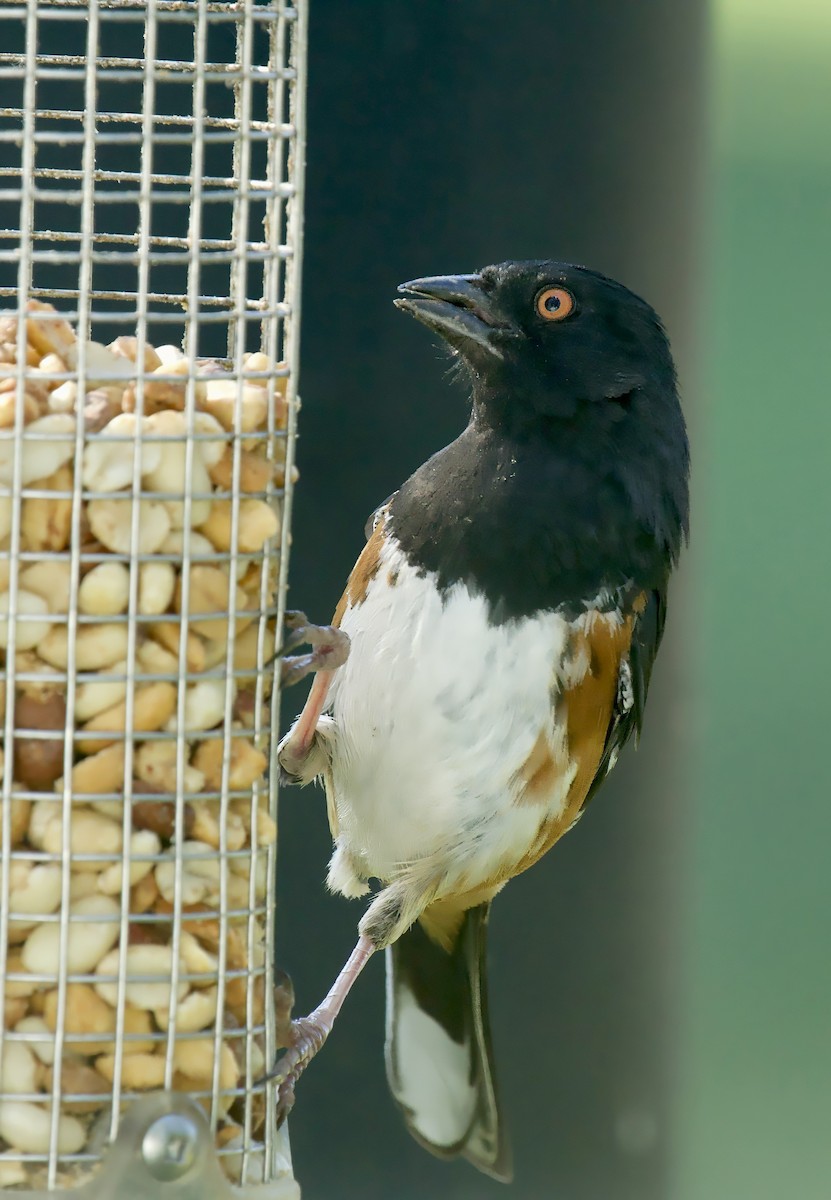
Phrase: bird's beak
(457, 308)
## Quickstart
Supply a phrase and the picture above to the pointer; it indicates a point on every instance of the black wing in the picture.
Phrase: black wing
(372, 521)
(633, 683)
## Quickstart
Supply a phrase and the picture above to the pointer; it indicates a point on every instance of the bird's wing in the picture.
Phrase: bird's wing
(634, 673)
(315, 761)
(375, 516)
(366, 568)
(597, 708)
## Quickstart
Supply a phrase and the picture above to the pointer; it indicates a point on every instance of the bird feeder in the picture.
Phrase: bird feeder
(151, 156)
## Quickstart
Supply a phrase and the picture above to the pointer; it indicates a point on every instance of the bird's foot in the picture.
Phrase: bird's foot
(304, 1036)
(300, 1038)
(330, 649)
(307, 1036)
(299, 754)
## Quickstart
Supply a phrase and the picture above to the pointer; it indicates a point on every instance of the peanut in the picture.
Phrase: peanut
(105, 590)
(45, 521)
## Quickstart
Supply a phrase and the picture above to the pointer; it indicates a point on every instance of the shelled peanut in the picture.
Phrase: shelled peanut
(164, 674)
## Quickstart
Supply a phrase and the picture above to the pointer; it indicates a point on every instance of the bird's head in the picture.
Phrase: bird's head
(574, 360)
(546, 339)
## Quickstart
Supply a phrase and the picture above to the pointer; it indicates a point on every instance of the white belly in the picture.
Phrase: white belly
(434, 714)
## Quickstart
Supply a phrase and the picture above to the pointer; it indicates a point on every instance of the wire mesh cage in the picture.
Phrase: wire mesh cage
(150, 224)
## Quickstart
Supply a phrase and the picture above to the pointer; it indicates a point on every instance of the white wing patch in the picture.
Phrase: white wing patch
(625, 688)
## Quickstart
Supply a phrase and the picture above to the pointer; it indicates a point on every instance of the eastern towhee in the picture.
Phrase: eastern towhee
(504, 617)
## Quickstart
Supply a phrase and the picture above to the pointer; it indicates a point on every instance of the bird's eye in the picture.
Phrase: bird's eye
(555, 303)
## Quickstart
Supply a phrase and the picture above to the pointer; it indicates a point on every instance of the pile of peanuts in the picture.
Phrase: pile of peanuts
(159, 689)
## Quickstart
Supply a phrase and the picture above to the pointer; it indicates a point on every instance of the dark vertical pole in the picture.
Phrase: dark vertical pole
(443, 137)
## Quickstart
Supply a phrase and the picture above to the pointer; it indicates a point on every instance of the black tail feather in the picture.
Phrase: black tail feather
(439, 1055)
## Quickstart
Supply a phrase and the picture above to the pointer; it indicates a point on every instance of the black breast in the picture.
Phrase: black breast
(529, 527)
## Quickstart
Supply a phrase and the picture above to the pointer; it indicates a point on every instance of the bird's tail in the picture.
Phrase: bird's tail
(439, 1057)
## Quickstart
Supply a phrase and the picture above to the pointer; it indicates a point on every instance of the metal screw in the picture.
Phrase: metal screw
(169, 1146)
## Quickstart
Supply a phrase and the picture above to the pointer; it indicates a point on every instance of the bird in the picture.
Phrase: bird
(502, 623)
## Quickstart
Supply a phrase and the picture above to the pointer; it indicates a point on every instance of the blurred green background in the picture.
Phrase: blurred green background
(753, 1116)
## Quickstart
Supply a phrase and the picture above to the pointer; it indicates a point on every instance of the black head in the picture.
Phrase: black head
(564, 354)
(557, 336)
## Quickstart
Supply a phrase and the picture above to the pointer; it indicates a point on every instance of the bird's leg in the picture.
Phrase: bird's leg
(306, 1035)
(393, 910)
(330, 649)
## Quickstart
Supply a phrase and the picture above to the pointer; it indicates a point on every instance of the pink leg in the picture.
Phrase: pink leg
(330, 649)
(309, 1033)
(293, 752)
(304, 730)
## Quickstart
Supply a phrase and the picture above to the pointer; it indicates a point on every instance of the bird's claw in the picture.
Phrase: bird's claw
(330, 649)
(300, 1039)
(283, 1005)
(285, 1103)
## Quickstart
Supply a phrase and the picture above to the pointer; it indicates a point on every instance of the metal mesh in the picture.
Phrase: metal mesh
(150, 192)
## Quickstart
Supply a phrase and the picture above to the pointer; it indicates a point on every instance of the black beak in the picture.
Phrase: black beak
(456, 307)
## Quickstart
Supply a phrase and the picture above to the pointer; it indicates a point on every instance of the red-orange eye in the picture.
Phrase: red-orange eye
(555, 303)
